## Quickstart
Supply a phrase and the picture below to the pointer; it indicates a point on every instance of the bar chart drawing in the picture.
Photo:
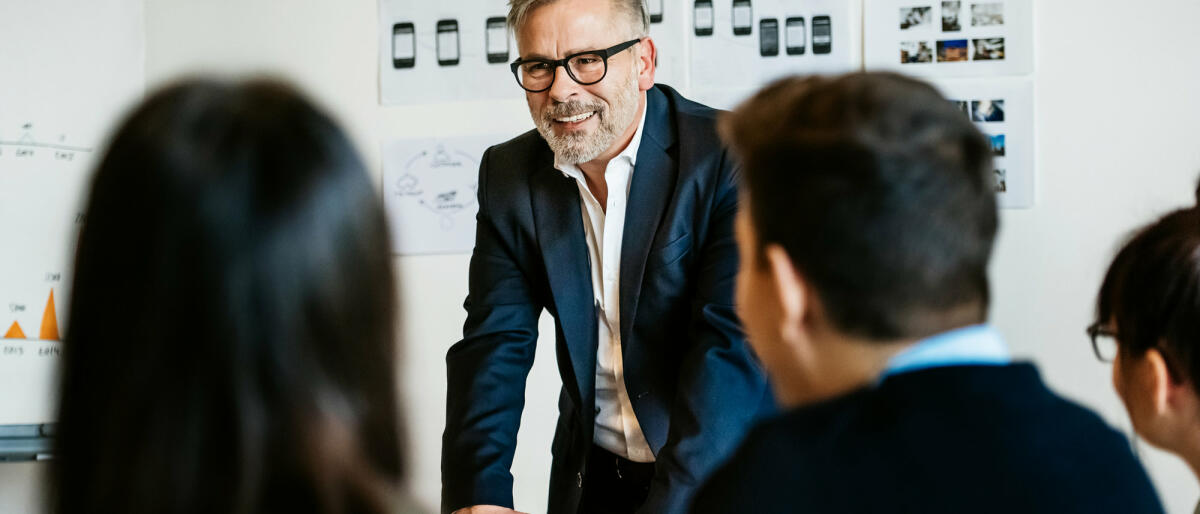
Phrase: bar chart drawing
(49, 328)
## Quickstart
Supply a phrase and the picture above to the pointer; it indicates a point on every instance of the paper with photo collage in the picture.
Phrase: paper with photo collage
(949, 38)
(737, 46)
(1002, 108)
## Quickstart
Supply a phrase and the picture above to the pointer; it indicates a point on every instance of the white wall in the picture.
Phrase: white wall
(1116, 146)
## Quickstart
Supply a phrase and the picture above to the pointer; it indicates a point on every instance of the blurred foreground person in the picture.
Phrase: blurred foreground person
(865, 231)
(230, 341)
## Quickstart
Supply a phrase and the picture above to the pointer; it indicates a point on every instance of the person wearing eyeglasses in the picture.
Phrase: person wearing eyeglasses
(615, 215)
(1148, 326)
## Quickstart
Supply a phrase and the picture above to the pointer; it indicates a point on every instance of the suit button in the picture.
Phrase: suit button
(579, 480)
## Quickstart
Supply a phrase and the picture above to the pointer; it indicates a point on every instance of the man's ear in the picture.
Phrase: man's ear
(647, 63)
(793, 292)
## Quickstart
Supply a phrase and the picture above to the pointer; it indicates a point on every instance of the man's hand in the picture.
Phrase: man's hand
(486, 509)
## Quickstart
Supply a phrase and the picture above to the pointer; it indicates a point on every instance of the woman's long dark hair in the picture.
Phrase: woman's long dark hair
(230, 341)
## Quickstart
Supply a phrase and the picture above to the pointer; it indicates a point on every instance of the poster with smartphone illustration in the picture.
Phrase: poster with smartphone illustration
(670, 21)
(435, 52)
(1002, 108)
(949, 38)
(739, 45)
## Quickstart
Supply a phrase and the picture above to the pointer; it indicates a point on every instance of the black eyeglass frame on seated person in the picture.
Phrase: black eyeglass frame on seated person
(1097, 330)
(553, 65)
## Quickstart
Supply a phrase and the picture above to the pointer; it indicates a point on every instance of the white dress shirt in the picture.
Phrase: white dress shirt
(617, 429)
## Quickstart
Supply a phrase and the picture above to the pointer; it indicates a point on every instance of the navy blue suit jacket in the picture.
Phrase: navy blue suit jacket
(978, 439)
(694, 384)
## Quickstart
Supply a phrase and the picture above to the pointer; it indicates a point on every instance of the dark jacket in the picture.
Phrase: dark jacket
(979, 439)
(694, 385)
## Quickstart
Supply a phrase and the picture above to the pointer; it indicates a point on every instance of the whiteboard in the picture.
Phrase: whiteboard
(69, 70)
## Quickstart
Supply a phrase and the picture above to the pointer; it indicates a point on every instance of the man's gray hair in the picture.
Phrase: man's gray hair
(634, 10)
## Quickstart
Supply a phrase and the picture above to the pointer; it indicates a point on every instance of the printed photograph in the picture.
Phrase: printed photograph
(987, 110)
(1001, 181)
(952, 50)
(950, 15)
(911, 17)
(986, 15)
(963, 106)
(915, 52)
(997, 145)
(991, 49)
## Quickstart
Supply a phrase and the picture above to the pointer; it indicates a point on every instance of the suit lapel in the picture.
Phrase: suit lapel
(649, 193)
(559, 224)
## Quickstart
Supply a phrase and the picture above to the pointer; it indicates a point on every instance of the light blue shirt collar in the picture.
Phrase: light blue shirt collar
(976, 345)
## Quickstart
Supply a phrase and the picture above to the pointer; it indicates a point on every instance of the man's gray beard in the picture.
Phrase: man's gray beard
(580, 147)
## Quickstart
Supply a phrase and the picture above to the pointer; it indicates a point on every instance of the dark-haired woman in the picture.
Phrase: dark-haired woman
(230, 341)
(1148, 325)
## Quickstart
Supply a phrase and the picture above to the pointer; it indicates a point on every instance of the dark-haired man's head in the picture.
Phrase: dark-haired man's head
(1149, 304)
(867, 222)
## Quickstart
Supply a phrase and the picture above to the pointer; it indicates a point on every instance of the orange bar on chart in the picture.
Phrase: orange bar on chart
(49, 321)
(14, 332)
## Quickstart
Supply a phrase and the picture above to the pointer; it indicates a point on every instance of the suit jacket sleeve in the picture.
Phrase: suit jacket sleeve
(487, 369)
(722, 389)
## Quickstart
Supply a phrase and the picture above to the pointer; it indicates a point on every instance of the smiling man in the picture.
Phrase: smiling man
(616, 216)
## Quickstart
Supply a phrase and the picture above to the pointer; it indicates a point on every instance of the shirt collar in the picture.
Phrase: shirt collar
(630, 152)
(976, 345)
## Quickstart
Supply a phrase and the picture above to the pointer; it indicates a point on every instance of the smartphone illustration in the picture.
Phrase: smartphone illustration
(743, 18)
(404, 45)
(497, 40)
(822, 42)
(656, 10)
(768, 37)
(795, 35)
(447, 42)
(702, 17)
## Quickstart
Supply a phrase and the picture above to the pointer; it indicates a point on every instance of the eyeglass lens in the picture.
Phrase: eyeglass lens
(585, 69)
(1105, 347)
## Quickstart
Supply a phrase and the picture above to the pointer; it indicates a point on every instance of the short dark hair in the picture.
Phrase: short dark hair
(1151, 292)
(880, 192)
(230, 339)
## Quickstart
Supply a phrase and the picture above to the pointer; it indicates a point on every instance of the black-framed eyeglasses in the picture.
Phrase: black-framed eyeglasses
(1104, 341)
(585, 68)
